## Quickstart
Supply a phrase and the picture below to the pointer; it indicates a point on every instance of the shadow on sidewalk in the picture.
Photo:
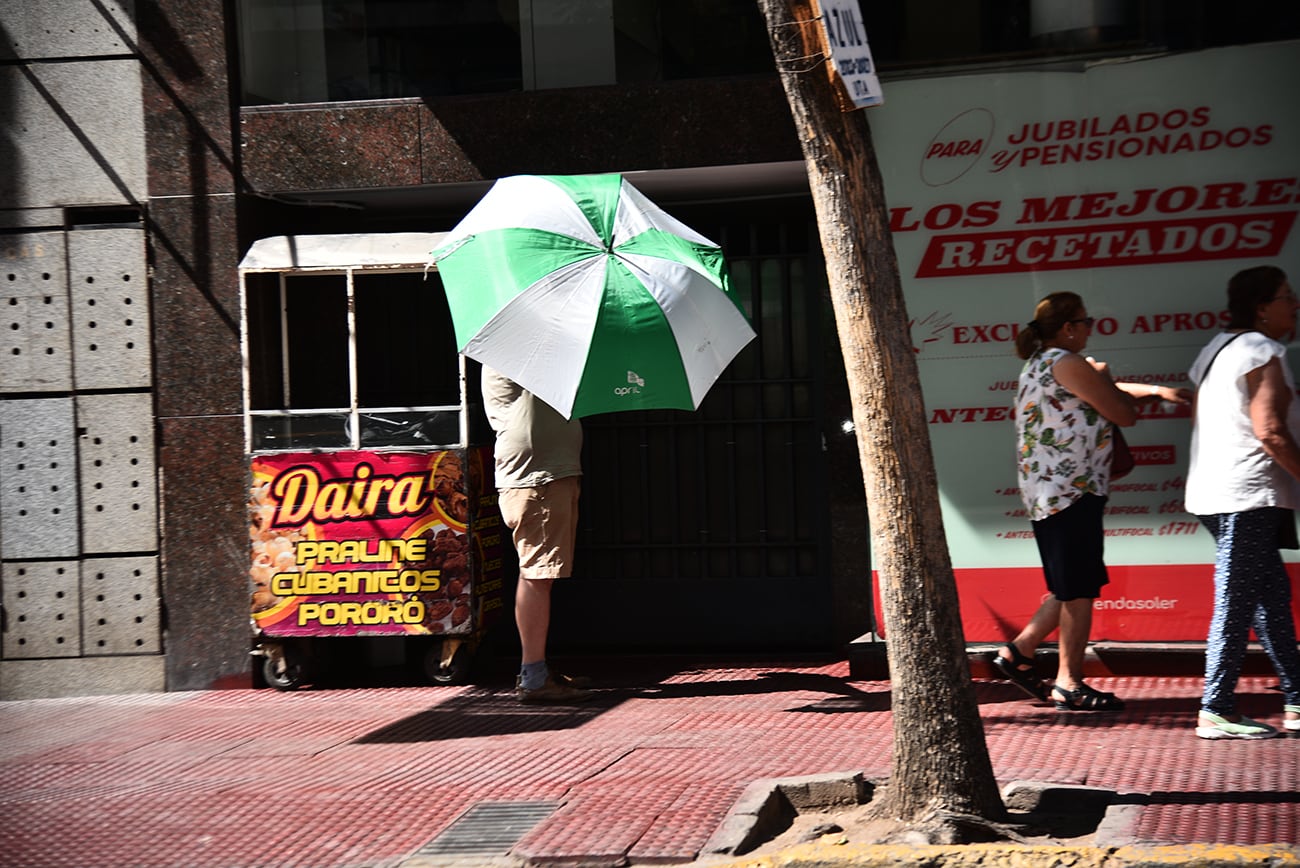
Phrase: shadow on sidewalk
(1001, 703)
(487, 711)
(481, 712)
(1228, 797)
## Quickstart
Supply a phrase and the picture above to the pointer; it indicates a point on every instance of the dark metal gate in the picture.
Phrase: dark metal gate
(709, 530)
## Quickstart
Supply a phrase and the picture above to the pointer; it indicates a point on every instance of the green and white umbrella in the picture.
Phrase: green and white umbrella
(584, 292)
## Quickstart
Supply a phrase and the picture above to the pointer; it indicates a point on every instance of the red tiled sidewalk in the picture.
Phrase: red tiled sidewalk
(365, 777)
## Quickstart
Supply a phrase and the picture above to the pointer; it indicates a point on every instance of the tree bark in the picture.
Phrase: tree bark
(940, 762)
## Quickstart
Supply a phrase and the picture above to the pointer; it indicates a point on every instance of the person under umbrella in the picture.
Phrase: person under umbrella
(538, 478)
(579, 296)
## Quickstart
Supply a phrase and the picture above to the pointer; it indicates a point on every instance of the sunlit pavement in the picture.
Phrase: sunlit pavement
(645, 773)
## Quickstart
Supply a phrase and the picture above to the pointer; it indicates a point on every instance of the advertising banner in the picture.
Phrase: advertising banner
(373, 543)
(1142, 185)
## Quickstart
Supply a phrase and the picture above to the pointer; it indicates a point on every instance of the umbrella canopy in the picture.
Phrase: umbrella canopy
(584, 292)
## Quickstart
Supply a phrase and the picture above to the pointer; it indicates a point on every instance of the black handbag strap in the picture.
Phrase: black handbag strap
(1205, 376)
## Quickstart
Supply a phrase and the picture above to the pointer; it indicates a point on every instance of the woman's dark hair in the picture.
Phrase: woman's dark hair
(1051, 314)
(1248, 289)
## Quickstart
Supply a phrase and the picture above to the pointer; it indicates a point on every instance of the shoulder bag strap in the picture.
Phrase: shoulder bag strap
(1205, 376)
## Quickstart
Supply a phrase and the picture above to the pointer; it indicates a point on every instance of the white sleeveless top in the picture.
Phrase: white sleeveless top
(1228, 469)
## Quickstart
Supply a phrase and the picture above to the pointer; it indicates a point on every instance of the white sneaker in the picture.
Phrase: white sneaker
(1245, 728)
(1292, 725)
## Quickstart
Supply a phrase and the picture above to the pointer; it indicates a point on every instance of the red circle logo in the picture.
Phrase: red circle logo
(957, 147)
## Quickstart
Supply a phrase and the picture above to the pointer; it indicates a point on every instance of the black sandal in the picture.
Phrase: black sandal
(1015, 671)
(1084, 698)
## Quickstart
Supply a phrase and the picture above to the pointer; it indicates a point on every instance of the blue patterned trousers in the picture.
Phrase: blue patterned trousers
(1251, 590)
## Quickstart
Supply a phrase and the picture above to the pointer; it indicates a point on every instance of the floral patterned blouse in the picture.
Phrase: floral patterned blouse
(1064, 443)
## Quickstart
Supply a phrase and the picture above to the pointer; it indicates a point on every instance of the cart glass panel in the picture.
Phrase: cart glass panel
(351, 359)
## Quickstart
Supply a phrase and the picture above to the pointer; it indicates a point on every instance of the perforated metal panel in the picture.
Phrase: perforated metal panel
(38, 481)
(42, 610)
(69, 28)
(110, 308)
(35, 337)
(119, 605)
(58, 110)
(119, 500)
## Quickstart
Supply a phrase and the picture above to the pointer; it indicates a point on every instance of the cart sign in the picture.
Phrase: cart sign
(372, 543)
(850, 53)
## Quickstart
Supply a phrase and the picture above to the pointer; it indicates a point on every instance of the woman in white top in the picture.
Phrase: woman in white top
(1242, 483)
(1066, 409)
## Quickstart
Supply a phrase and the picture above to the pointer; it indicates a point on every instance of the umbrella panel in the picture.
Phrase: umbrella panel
(662, 321)
(634, 360)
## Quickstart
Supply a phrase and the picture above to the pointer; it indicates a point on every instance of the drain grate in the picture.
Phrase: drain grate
(488, 829)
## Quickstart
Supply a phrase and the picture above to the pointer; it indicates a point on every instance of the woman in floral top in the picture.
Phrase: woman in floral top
(1066, 410)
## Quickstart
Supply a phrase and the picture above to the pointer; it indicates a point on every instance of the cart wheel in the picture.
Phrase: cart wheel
(448, 662)
(282, 667)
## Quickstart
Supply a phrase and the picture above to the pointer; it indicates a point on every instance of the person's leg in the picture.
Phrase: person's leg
(533, 617)
(1078, 573)
(1040, 626)
(522, 511)
(1070, 692)
(1275, 628)
(1239, 549)
(1071, 546)
(1015, 660)
(1049, 536)
(544, 524)
(1076, 625)
(1245, 542)
(1274, 624)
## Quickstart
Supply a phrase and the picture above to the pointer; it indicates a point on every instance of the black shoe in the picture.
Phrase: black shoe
(1019, 670)
(1084, 698)
(578, 681)
(552, 692)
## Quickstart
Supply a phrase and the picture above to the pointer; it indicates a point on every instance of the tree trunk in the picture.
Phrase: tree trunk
(941, 762)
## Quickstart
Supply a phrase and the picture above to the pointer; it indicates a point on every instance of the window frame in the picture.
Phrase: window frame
(347, 256)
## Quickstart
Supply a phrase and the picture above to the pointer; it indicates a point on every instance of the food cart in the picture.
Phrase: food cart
(371, 506)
